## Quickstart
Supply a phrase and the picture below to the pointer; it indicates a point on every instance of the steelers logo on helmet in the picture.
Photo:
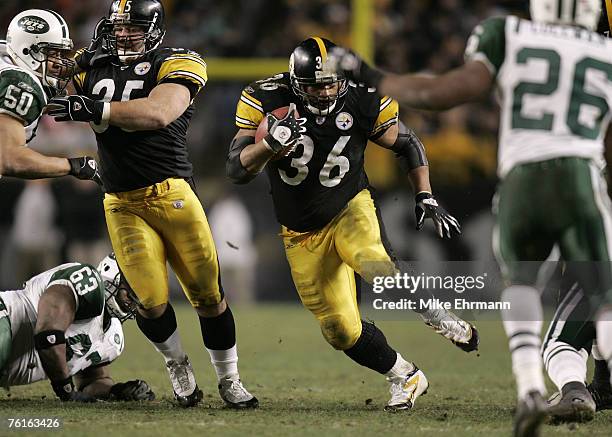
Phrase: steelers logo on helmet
(320, 88)
(134, 28)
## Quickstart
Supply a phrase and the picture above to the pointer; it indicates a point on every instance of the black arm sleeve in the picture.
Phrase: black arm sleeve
(233, 167)
(409, 149)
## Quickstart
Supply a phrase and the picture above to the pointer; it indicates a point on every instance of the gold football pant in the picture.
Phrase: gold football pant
(323, 265)
(163, 222)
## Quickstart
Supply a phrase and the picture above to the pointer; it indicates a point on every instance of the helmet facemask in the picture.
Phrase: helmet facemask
(56, 64)
(138, 37)
(121, 302)
(311, 91)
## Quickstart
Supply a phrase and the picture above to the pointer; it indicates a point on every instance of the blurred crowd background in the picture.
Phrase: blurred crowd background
(43, 223)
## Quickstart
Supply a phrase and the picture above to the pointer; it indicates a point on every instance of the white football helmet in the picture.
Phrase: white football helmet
(583, 13)
(121, 302)
(39, 41)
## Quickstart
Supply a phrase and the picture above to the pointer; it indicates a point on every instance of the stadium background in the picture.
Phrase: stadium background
(43, 223)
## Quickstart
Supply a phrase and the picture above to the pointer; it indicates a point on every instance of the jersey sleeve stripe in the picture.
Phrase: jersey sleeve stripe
(190, 57)
(384, 126)
(188, 75)
(253, 100)
(184, 66)
(251, 104)
(245, 121)
(384, 102)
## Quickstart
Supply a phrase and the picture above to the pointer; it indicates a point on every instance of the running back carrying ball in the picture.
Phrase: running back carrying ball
(284, 133)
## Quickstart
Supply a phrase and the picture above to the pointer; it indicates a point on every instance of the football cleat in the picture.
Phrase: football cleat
(461, 333)
(601, 391)
(577, 405)
(405, 389)
(530, 413)
(235, 395)
(186, 391)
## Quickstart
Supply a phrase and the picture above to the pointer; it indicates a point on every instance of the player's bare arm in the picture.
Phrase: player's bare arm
(95, 381)
(472, 81)
(19, 161)
(254, 156)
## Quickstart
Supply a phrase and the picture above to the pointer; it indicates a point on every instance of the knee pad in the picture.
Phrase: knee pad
(340, 332)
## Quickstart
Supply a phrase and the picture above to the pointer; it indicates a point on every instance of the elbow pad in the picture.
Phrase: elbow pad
(409, 149)
(233, 167)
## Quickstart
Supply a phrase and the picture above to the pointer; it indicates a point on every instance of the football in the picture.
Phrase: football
(262, 129)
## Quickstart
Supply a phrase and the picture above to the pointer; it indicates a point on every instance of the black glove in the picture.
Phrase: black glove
(135, 390)
(65, 390)
(98, 53)
(284, 134)
(350, 65)
(427, 207)
(76, 108)
(85, 167)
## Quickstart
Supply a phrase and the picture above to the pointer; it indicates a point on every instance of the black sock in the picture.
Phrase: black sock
(602, 372)
(160, 329)
(372, 350)
(219, 333)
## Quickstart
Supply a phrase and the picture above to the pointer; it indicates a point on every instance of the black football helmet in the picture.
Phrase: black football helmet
(308, 67)
(605, 19)
(148, 14)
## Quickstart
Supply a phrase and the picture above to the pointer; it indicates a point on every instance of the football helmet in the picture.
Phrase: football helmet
(584, 13)
(39, 41)
(121, 302)
(605, 20)
(313, 79)
(146, 14)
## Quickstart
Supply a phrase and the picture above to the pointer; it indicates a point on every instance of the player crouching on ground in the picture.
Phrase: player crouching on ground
(322, 199)
(65, 323)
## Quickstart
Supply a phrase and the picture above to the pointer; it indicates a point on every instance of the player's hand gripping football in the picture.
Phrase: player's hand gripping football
(284, 133)
(76, 108)
(427, 207)
(97, 54)
(85, 167)
(349, 64)
(134, 390)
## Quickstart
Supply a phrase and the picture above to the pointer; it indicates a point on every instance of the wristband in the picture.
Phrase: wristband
(63, 388)
(49, 338)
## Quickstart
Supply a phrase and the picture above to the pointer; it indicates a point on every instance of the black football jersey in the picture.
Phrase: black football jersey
(312, 185)
(130, 160)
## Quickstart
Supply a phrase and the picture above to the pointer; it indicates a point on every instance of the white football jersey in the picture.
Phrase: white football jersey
(89, 340)
(554, 84)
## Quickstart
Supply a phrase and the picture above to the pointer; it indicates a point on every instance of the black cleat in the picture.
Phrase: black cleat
(575, 405)
(235, 395)
(602, 394)
(191, 400)
(530, 413)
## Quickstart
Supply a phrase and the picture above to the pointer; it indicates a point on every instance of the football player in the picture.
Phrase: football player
(65, 325)
(555, 80)
(34, 66)
(330, 225)
(139, 105)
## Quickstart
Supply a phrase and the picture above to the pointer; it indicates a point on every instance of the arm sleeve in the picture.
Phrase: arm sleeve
(21, 96)
(87, 286)
(487, 44)
(185, 68)
(387, 116)
(249, 111)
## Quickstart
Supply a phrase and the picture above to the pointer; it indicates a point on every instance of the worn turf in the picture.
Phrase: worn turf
(304, 387)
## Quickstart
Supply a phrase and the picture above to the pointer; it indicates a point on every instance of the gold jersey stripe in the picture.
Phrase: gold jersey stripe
(253, 99)
(246, 112)
(322, 48)
(387, 115)
(186, 56)
(183, 65)
(187, 75)
(80, 78)
(122, 6)
(609, 12)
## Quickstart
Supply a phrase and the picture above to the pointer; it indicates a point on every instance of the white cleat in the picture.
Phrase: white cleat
(235, 395)
(461, 333)
(405, 389)
(186, 391)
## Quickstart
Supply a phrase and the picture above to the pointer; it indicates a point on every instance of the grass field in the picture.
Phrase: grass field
(304, 387)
